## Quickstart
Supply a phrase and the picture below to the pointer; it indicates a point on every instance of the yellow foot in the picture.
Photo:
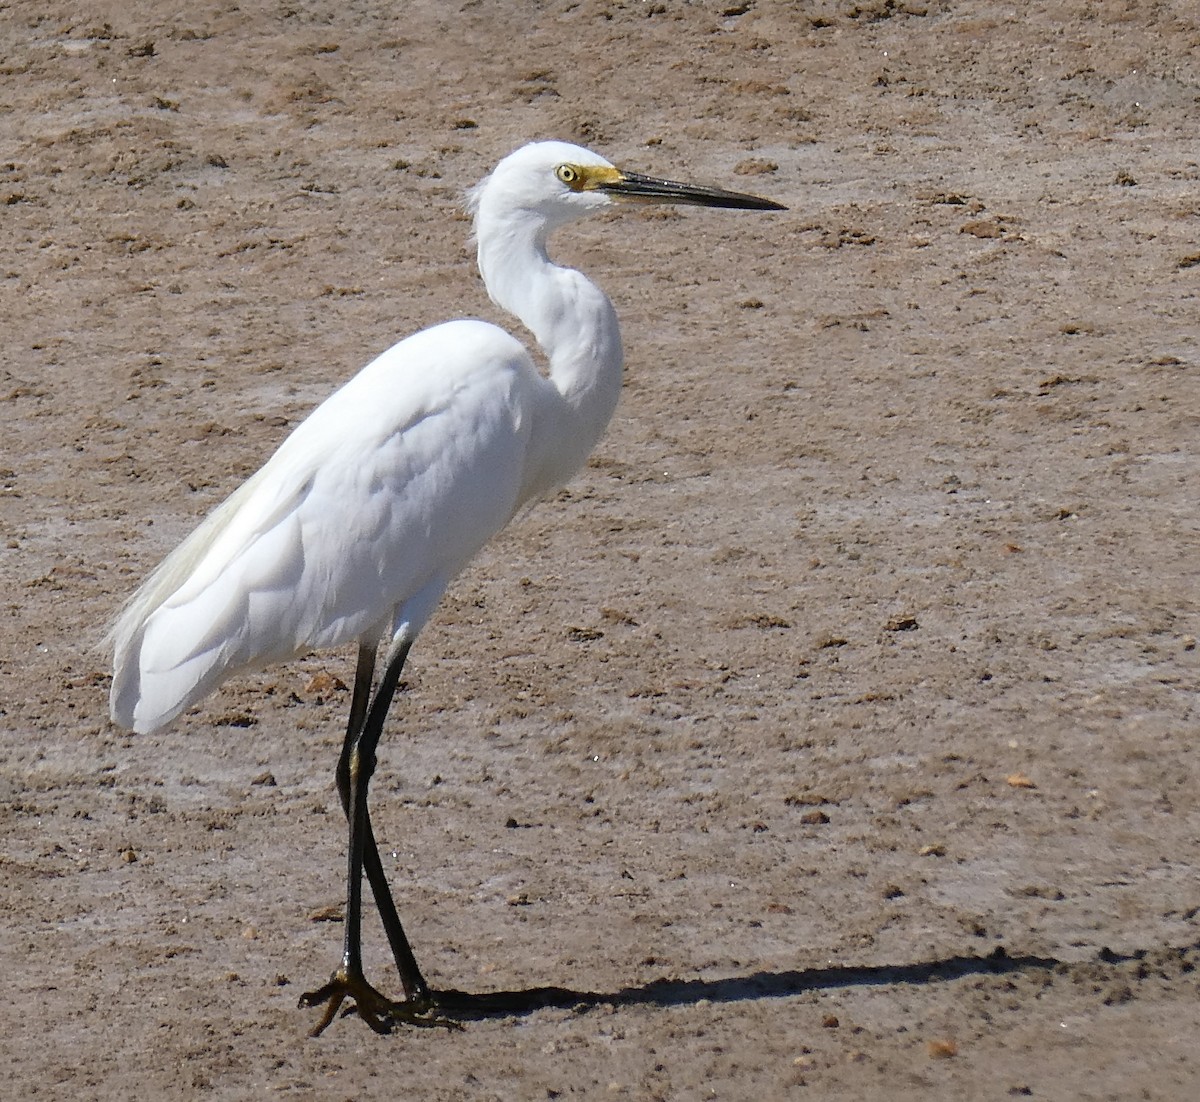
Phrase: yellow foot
(378, 1011)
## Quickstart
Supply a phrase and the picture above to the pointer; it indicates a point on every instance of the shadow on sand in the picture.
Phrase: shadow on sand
(758, 985)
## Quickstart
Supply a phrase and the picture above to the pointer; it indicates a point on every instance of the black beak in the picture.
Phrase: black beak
(648, 189)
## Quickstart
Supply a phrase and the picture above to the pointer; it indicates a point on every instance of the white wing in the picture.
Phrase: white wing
(360, 519)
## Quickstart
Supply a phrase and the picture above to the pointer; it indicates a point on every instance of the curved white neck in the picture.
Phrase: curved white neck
(573, 322)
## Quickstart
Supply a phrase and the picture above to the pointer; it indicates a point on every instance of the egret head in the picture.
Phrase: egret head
(557, 182)
(552, 181)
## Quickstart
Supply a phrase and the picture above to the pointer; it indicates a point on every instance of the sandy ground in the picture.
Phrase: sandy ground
(833, 735)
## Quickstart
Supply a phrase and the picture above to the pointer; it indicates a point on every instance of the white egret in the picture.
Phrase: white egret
(355, 526)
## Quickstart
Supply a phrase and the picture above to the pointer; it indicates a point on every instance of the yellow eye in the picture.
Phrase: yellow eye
(569, 175)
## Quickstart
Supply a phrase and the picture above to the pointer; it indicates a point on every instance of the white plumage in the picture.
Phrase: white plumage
(345, 532)
(355, 526)
(374, 503)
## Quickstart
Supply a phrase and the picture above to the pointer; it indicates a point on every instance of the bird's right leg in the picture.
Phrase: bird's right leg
(348, 981)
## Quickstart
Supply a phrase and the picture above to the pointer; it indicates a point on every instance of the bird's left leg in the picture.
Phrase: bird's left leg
(348, 981)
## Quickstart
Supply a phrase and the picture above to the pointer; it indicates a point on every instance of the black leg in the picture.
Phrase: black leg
(415, 987)
(355, 767)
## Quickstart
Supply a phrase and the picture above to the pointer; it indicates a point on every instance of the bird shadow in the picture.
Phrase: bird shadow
(755, 986)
